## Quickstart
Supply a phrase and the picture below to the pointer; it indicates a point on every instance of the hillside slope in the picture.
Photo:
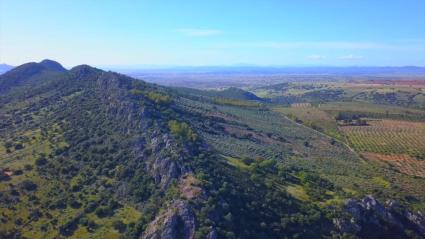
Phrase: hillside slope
(88, 153)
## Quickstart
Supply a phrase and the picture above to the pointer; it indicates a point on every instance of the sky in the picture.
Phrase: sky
(220, 32)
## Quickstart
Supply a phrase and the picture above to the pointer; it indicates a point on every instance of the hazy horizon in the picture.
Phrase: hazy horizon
(236, 65)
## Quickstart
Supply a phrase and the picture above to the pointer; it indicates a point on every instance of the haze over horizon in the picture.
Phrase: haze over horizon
(219, 33)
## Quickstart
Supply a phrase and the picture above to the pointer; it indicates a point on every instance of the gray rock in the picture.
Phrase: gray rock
(178, 221)
(212, 234)
(371, 204)
(392, 204)
(370, 212)
(346, 226)
(354, 208)
(418, 220)
(167, 162)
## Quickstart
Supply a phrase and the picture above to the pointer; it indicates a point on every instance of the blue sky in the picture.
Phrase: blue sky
(195, 32)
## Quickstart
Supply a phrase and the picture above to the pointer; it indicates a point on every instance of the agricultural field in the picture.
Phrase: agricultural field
(372, 110)
(401, 162)
(268, 133)
(312, 117)
(394, 133)
(388, 137)
(400, 144)
(403, 93)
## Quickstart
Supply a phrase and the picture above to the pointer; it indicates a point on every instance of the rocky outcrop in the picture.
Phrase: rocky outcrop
(369, 218)
(212, 235)
(178, 221)
(417, 219)
(166, 165)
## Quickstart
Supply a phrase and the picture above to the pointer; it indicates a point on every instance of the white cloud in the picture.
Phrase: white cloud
(315, 57)
(350, 57)
(196, 32)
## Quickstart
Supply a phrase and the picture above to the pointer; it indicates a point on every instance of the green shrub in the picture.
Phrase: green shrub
(158, 98)
(29, 185)
(182, 129)
(119, 226)
(40, 161)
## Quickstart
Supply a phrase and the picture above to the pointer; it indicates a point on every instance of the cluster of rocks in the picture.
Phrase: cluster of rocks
(368, 218)
(178, 221)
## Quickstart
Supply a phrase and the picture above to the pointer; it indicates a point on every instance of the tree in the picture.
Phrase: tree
(40, 161)
(182, 129)
(119, 226)
(29, 185)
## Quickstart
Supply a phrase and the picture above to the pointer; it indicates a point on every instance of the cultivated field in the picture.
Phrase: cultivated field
(388, 137)
(312, 117)
(373, 110)
(402, 162)
(398, 143)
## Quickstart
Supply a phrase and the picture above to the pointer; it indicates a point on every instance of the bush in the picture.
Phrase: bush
(28, 167)
(19, 146)
(40, 161)
(68, 228)
(91, 206)
(119, 226)
(103, 211)
(29, 185)
(247, 160)
(182, 129)
(158, 98)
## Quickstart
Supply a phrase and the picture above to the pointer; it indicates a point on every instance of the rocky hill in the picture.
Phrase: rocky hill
(89, 153)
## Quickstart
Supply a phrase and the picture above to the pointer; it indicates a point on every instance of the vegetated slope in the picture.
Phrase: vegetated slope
(88, 153)
(87, 146)
(250, 133)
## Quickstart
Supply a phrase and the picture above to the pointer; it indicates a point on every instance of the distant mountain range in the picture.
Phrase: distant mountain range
(252, 69)
(319, 70)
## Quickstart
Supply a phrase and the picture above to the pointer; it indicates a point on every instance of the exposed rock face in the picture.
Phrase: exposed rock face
(166, 167)
(418, 220)
(346, 226)
(212, 234)
(368, 218)
(177, 222)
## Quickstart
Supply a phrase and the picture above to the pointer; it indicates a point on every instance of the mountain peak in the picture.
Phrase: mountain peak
(84, 69)
(52, 65)
(29, 71)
